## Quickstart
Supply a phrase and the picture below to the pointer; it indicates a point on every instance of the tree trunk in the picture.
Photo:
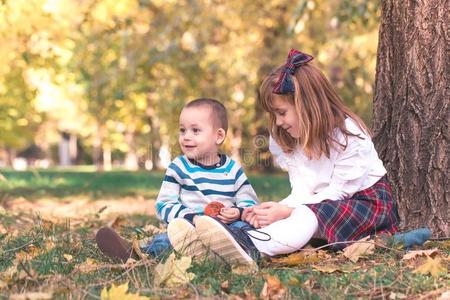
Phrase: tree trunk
(155, 138)
(131, 158)
(64, 150)
(411, 109)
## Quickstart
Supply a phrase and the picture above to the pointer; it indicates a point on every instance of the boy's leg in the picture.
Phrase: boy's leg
(231, 243)
(158, 246)
(184, 239)
(240, 224)
(113, 245)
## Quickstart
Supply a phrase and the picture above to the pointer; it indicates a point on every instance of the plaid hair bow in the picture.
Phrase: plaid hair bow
(294, 60)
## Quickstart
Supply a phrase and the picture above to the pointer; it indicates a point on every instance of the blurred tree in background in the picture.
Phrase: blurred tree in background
(103, 81)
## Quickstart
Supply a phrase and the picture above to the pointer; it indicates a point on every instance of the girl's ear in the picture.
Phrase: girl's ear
(220, 136)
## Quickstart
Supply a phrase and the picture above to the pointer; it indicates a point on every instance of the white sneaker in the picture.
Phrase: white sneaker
(184, 239)
(225, 242)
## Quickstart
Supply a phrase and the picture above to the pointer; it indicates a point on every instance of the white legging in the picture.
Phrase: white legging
(287, 235)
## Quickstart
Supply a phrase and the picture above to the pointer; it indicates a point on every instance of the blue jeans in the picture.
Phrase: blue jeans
(160, 243)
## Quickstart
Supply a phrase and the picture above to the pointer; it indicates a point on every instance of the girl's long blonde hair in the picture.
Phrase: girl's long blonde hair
(319, 108)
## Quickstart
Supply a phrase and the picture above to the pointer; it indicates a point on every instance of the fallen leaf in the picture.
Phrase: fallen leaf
(88, 266)
(173, 272)
(31, 252)
(225, 286)
(244, 269)
(349, 268)
(432, 266)
(297, 258)
(3, 229)
(120, 293)
(68, 257)
(358, 249)
(137, 249)
(416, 253)
(2, 284)
(32, 296)
(272, 289)
(326, 269)
(117, 222)
(294, 281)
(29, 273)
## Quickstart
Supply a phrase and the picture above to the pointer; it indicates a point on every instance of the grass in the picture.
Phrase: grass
(116, 184)
(60, 256)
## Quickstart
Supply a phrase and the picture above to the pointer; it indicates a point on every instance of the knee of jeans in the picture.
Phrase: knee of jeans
(239, 224)
(159, 244)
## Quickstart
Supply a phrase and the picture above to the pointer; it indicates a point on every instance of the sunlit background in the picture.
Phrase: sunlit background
(101, 82)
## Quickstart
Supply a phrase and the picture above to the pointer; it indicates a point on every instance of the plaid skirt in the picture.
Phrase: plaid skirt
(368, 212)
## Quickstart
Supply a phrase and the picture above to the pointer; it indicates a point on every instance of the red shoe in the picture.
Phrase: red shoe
(113, 245)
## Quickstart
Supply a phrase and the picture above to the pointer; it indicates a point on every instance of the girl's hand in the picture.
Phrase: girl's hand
(248, 215)
(269, 212)
(228, 215)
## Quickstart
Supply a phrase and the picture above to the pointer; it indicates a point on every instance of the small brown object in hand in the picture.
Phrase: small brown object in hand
(213, 209)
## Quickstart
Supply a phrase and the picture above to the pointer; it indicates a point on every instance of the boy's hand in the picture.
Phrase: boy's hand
(228, 215)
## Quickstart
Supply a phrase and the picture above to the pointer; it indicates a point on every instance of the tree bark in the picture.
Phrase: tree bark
(411, 109)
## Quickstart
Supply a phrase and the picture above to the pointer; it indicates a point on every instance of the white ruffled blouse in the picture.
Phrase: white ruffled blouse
(338, 177)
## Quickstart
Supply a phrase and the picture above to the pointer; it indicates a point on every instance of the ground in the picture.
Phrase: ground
(48, 221)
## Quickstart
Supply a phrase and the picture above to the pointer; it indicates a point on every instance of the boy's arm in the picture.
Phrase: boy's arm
(168, 204)
(245, 194)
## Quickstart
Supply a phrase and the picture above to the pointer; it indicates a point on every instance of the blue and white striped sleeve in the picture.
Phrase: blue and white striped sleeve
(168, 203)
(245, 194)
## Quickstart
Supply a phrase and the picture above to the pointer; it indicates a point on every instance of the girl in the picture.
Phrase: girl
(340, 191)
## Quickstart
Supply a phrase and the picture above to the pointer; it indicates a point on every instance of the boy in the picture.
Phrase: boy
(193, 180)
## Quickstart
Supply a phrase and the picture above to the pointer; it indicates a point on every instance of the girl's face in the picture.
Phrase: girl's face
(285, 116)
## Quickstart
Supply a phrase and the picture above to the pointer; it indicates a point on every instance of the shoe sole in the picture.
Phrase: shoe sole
(221, 241)
(184, 239)
(112, 245)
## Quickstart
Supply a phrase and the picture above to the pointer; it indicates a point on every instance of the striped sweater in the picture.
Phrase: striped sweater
(187, 188)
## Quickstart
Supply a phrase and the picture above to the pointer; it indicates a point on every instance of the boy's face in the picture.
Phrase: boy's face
(199, 139)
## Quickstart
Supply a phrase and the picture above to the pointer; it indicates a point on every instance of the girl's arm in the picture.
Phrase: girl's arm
(351, 170)
(269, 212)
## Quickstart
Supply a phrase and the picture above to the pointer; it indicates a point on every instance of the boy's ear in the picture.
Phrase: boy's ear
(220, 136)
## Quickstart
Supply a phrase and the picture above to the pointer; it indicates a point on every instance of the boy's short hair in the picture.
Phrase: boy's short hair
(218, 109)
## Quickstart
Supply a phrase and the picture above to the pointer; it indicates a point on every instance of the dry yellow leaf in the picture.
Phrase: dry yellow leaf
(3, 229)
(117, 222)
(244, 269)
(358, 249)
(2, 284)
(432, 266)
(68, 257)
(173, 272)
(88, 266)
(137, 249)
(272, 289)
(297, 258)
(416, 253)
(326, 269)
(120, 293)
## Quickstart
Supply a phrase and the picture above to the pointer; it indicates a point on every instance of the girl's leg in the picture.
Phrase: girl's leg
(287, 235)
